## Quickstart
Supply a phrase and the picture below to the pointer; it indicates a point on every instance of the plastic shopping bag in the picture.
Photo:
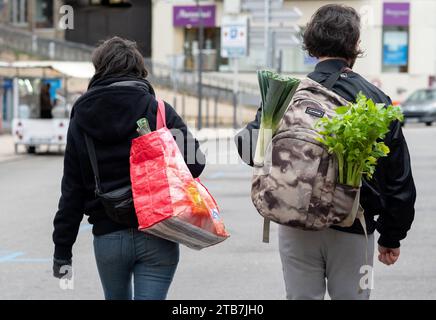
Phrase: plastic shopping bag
(169, 202)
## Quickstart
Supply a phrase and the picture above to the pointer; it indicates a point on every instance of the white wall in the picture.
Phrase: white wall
(163, 33)
(423, 37)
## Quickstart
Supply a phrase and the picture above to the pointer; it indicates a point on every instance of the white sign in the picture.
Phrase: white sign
(234, 36)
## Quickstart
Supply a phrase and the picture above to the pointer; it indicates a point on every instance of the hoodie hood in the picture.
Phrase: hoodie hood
(108, 111)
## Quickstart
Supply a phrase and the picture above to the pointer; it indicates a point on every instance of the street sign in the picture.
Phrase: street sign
(234, 36)
(273, 26)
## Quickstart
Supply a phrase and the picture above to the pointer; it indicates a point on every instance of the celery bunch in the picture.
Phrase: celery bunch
(354, 135)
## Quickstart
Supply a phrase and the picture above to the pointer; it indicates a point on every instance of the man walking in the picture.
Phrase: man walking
(337, 254)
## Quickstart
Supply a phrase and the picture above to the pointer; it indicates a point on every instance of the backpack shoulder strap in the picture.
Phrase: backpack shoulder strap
(160, 116)
(93, 158)
(331, 80)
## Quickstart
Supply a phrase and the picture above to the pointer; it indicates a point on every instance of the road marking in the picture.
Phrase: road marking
(10, 257)
(30, 260)
(216, 175)
(85, 227)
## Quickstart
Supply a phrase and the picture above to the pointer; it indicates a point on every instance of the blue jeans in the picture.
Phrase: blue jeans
(152, 262)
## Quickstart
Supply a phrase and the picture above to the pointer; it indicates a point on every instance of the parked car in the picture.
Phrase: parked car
(420, 107)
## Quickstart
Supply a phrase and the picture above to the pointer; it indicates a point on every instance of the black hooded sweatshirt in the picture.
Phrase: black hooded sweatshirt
(108, 114)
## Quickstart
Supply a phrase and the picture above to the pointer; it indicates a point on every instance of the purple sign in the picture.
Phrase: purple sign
(189, 16)
(396, 13)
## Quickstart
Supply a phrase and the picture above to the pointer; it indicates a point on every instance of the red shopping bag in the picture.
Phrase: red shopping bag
(169, 202)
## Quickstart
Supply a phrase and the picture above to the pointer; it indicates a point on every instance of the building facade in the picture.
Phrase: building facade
(398, 37)
(94, 20)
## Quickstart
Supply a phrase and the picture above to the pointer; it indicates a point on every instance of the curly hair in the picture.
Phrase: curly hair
(333, 31)
(117, 57)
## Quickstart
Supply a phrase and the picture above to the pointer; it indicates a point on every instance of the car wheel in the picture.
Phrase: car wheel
(428, 124)
(31, 149)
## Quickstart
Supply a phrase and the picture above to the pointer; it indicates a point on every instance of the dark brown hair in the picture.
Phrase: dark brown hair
(118, 57)
(333, 31)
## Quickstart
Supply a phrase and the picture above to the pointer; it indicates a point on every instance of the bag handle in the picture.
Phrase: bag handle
(160, 116)
(93, 158)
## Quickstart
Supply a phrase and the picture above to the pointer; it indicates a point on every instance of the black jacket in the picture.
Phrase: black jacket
(108, 114)
(391, 193)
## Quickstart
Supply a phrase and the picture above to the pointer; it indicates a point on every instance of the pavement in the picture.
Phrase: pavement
(7, 148)
(242, 267)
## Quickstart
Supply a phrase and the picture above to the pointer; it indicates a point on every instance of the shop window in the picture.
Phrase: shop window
(211, 49)
(395, 49)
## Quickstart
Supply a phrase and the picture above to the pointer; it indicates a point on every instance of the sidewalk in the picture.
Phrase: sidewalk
(7, 148)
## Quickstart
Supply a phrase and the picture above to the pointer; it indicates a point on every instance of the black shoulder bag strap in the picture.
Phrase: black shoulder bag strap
(331, 80)
(93, 158)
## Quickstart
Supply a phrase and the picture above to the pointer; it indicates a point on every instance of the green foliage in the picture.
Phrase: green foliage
(355, 136)
(276, 92)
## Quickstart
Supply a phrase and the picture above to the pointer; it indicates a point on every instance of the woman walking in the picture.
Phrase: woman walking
(118, 95)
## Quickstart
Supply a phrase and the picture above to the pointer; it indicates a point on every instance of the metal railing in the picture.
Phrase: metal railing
(181, 82)
(33, 44)
(185, 82)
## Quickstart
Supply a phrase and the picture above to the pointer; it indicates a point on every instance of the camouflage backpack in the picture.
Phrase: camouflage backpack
(297, 183)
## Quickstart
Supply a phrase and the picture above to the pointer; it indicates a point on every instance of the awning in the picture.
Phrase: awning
(84, 70)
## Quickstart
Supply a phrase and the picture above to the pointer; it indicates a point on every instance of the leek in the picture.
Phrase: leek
(143, 127)
(276, 92)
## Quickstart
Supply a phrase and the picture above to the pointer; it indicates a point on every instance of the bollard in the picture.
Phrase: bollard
(235, 104)
(215, 113)
(207, 112)
(175, 103)
(183, 105)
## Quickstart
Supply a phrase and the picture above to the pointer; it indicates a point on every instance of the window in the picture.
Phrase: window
(211, 48)
(395, 49)
(44, 13)
(422, 95)
(18, 12)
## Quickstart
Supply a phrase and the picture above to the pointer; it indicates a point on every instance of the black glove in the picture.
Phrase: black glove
(62, 269)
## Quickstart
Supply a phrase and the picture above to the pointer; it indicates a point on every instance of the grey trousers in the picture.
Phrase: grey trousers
(314, 260)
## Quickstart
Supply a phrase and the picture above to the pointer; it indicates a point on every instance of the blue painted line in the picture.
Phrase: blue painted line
(216, 175)
(85, 227)
(10, 257)
(32, 260)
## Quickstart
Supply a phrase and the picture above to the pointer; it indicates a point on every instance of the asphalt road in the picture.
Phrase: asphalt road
(240, 268)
